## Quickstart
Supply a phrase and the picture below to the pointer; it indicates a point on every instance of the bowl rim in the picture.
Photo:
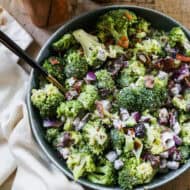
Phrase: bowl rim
(29, 106)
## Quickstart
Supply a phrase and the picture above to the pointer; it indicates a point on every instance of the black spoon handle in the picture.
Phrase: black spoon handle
(10, 44)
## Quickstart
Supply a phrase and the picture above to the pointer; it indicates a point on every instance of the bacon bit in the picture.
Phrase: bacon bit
(182, 58)
(77, 86)
(129, 131)
(166, 64)
(149, 81)
(128, 15)
(100, 108)
(54, 61)
(137, 145)
(123, 42)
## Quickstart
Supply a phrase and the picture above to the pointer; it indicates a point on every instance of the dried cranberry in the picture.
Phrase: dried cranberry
(140, 130)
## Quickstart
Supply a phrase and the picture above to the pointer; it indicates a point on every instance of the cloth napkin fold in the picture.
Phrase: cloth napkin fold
(18, 150)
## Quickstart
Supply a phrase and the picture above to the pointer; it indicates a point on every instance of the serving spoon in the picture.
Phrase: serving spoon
(11, 45)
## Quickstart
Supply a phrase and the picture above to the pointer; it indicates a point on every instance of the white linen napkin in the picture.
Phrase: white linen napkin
(18, 150)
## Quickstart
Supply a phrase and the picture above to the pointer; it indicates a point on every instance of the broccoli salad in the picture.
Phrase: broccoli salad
(124, 117)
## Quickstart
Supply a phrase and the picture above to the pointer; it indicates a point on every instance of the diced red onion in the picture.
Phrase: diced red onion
(71, 94)
(136, 116)
(181, 73)
(167, 139)
(162, 75)
(163, 164)
(64, 152)
(52, 123)
(172, 165)
(172, 118)
(111, 156)
(117, 123)
(176, 89)
(163, 116)
(176, 128)
(91, 76)
(178, 140)
(124, 114)
(164, 154)
(125, 63)
(118, 164)
(76, 122)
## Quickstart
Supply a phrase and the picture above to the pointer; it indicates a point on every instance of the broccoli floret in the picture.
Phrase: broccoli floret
(55, 67)
(135, 98)
(131, 73)
(95, 136)
(117, 139)
(80, 163)
(115, 51)
(177, 35)
(95, 52)
(104, 173)
(47, 100)
(88, 96)
(140, 29)
(150, 46)
(114, 24)
(182, 102)
(139, 98)
(135, 173)
(69, 109)
(185, 153)
(65, 42)
(185, 133)
(51, 134)
(76, 64)
(179, 103)
(183, 117)
(104, 80)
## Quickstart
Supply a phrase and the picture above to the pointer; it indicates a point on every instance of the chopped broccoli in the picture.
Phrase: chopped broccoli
(177, 35)
(104, 80)
(185, 133)
(114, 24)
(140, 29)
(131, 73)
(115, 51)
(150, 46)
(95, 136)
(153, 139)
(76, 64)
(69, 109)
(117, 139)
(55, 67)
(80, 163)
(184, 152)
(182, 102)
(47, 100)
(65, 42)
(51, 134)
(104, 173)
(135, 173)
(95, 52)
(139, 98)
(88, 96)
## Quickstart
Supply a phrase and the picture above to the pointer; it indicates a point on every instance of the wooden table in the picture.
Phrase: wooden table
(179, 9)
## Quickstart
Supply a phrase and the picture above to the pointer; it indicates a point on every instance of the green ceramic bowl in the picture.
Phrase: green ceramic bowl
(86, 20)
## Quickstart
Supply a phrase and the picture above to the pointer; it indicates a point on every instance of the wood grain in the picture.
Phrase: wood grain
(178, 9)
